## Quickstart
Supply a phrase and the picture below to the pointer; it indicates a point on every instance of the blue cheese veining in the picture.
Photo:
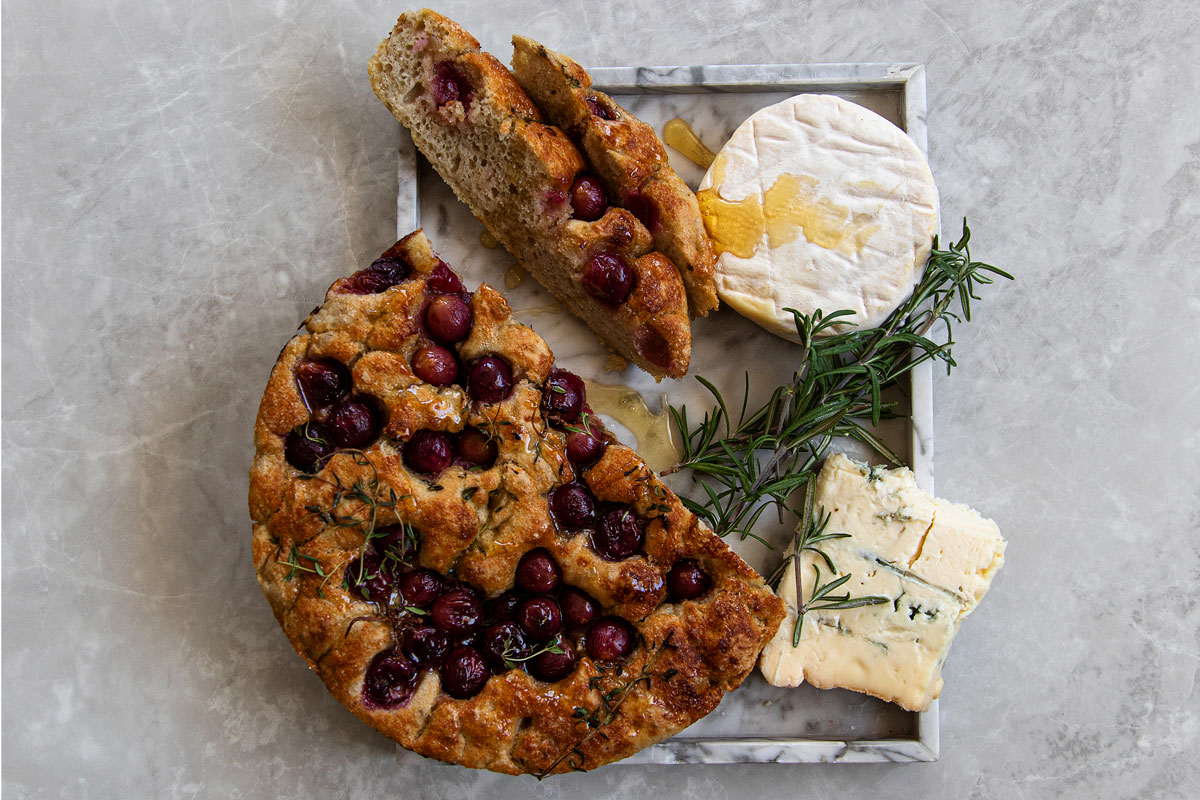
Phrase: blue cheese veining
(934, 560)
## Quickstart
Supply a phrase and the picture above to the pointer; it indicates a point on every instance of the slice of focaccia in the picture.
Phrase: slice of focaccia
(628, 157)
(529, 185)
(452, 541)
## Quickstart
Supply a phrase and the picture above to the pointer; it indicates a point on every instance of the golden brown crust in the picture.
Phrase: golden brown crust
(515, 173)
(630, 160)
(474, 525)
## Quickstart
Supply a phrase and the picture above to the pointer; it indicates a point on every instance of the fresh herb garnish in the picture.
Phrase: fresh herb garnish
(761, 460)
(769, 454)
(366, 498)
(613, 692)
(510, 654)
(809, 537)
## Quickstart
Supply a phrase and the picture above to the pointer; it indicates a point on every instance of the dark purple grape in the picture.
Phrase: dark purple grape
(564, 395)
(539, 617)
(572, 506)
(371, 578)
(307, 447)
(619, 534)
(599, 108)
(490, 380)
(608, 278)
(399, 541)
(588, 199)
(449, 84)
(549, 666)
(502, 641)
(583, 448)
(578, 608)
(609, 639)
(322, 381)
(459, 611)
(425, 645)
(421, 587)
(448, 319)
(652, 346)
(464, 671)
(444, 280)
(641, 207)
(355, 422)
(380, 276)
(427, 452)
(538, 572)
(435, 364)
(501, 608)
(474, 448)
(390, 681)
(687, 581)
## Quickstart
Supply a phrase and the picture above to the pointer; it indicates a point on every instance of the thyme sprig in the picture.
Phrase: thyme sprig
(613, 692)
(760, 460)
(365, 499)
(510, 654)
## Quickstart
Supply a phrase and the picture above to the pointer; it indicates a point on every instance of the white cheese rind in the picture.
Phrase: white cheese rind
(931, 559)
(864, 177)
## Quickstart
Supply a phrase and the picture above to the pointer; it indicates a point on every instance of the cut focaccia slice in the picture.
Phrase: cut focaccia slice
(521, 178)
(628, 157)
(472, 565)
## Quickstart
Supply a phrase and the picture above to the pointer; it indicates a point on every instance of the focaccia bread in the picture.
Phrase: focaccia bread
(473, 566)
(629, 159)
(530, 186)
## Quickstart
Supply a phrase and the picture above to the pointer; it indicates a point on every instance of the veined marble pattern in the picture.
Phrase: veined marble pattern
(181, 181)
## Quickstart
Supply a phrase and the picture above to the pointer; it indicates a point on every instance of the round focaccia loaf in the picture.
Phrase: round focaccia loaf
(473, 566)
(818, 203)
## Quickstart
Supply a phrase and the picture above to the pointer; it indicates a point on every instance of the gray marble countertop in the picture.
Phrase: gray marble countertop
(181, 181)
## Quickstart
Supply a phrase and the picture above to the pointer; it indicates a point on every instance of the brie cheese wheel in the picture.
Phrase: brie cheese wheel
(932, 561)
(818, 203)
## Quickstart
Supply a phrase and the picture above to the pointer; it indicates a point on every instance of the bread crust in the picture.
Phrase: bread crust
(474, 525)
(515, 171)
(628, 157)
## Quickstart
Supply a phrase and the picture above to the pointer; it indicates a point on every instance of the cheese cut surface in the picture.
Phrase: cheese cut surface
(933, 560)
(818, 203)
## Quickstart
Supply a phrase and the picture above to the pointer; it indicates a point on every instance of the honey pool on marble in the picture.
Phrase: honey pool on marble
(654, 432)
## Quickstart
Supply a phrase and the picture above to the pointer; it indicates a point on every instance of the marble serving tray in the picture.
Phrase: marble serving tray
(758, 722)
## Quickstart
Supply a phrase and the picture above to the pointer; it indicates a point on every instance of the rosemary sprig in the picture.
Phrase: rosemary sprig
(762, 459)
(810, 536)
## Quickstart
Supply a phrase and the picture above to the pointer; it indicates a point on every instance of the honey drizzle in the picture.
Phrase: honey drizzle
(514, 277)
(654, 433)
(680, 135)
(789, 208)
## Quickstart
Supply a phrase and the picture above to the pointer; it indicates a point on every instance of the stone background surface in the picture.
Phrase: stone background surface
(181, 180)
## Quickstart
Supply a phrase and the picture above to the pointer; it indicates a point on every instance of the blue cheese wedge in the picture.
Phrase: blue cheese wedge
(932, 560)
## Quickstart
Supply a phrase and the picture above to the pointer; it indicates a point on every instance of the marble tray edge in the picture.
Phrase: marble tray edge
(909, 79)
